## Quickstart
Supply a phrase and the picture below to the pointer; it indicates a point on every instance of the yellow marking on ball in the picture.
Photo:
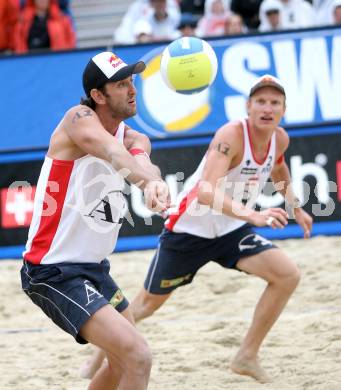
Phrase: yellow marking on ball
(190, 71)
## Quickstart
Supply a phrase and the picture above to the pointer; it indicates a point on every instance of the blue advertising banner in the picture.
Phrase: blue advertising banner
(38, 89)
(308, 64)
(313, 159)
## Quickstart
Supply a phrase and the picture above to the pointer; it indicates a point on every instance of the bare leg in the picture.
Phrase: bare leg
(91, 365)
(143, 305)
(282, 276)
(107, 373)
(129, 358)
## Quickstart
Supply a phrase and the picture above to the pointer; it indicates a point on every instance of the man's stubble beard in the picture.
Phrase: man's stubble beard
(123, 114)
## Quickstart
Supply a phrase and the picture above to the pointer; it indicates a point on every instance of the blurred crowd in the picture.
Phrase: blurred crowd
(155, 20)
(28, 25)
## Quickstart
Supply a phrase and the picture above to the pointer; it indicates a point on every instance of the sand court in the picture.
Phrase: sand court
(196, 334)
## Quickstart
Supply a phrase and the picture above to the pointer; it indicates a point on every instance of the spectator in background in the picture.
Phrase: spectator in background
(164, 24)
(9, 13)
(141, 9)
(42, 25)
(337, 12)
(248, 10)
(196, 7)
(64, 6)
(270, 15)
(234, 25)
(188, 25)
(212, 24)
(323, 12)
(297, 14)
(143, 32)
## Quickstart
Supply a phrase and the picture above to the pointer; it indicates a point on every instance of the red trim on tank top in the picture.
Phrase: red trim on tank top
(183, 206)
(59, 173)
(62, 162)
(251, 146)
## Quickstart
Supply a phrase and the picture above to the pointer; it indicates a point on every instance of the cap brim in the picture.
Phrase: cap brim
(267, 84)
(128, 70)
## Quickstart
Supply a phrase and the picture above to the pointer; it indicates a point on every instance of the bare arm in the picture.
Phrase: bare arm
(280, 173)
(282, 182)
(86, 131)
(135, 141)
(139, 146)
(223, 149)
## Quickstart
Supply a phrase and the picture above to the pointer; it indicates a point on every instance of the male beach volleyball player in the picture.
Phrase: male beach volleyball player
(78, 211)
(214, 220)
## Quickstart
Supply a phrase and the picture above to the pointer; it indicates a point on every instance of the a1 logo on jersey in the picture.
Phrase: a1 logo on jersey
(109, 208)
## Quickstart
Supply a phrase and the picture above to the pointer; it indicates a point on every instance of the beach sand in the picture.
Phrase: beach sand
(196, 334)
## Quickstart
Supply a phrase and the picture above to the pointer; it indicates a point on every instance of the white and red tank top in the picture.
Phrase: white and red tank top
(78, 210)
(242, 183)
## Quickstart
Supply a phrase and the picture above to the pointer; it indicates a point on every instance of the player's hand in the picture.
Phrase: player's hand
(156, 195)
(304, 220)
(274, 217)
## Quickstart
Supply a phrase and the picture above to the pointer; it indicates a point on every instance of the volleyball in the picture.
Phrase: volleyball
(188, 65)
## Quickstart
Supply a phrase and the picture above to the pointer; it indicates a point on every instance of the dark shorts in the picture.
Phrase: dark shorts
(69, 293)
(180, 255)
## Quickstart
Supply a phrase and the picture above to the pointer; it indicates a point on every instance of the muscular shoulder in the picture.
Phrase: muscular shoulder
(63, 143)
(282, 140)
(79, 112)
(230, 134)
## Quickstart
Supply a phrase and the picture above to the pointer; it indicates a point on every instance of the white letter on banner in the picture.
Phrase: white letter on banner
(315, 58)
(313, 77)
(256, 57)
(266, 201)
(299, 89)
(331, 107)
(299, 171)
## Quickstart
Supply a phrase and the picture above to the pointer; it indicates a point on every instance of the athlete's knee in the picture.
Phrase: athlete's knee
(290, 278)
(139, 357)
(295, 276)
(135, 358)
(143, 356)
